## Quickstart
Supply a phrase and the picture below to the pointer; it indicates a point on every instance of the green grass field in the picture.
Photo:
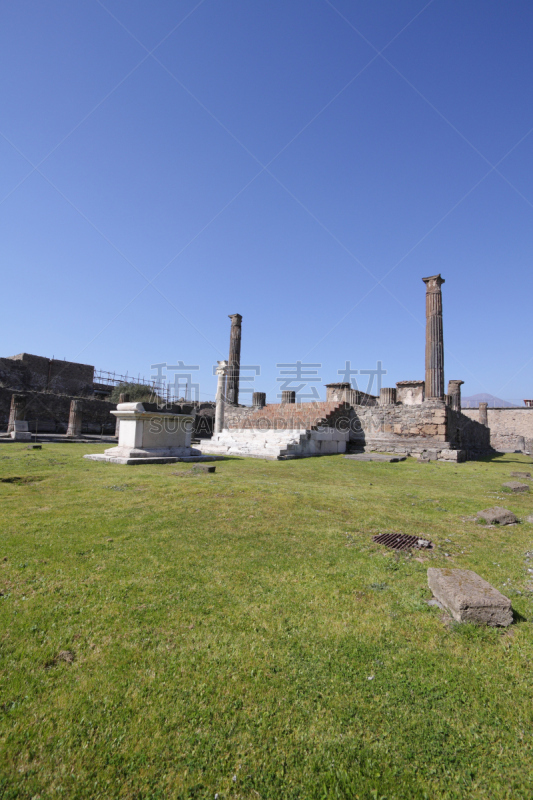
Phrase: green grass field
(238, 635)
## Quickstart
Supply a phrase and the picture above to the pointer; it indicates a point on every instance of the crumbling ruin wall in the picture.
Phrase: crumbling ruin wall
(289, 416)
(49, 413)
(400, 425)
(26, 372)
(511, 429)
(428, 426)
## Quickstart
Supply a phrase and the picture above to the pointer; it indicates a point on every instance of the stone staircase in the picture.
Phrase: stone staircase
(283, 432)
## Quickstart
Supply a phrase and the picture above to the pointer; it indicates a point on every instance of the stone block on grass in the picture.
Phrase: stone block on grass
(497, 516)
(470, 598)
(514, 486)
(520, 474)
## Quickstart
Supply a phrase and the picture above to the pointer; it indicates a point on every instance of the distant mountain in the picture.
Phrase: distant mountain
(494, 402)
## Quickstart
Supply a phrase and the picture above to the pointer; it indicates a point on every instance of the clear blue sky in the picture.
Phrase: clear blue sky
(301, 162)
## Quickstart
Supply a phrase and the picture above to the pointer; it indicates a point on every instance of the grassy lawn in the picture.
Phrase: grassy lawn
(167, 634)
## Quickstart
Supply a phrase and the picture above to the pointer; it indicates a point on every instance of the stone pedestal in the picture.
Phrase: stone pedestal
(75, 418)
(152, 436)
(234, 361)
(221, 371)
(288, 396)
(434, 384)
(483, 418)
(259, 399)
(20, 432)
(454, 392)
(387, 397)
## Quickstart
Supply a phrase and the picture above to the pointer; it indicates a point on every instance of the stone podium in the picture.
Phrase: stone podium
(149, 435)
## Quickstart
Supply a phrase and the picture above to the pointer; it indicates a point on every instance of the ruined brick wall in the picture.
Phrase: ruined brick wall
(26, 372)
(292, 416)
(511, 429)
(49, 413)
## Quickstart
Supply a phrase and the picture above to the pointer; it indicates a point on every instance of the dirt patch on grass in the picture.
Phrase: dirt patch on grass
(68, 656)
(17, 479)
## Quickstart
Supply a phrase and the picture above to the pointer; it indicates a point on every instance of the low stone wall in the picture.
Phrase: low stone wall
(48, 413)
(415, 428)
(511, 429)
(424, 421)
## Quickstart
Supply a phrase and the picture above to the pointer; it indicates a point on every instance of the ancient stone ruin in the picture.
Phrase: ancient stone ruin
(414, 418)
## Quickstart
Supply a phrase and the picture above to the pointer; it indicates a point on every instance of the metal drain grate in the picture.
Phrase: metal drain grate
(402, 541)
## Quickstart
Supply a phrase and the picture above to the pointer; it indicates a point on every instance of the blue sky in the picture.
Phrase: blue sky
(301, 162)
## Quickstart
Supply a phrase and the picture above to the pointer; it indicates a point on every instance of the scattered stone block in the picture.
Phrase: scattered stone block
(34, 447)
(514, 486)
(530, 518)
(520, 474)
(469, 598)
(497, 516)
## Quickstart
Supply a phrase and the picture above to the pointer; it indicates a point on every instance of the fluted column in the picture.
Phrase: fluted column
(16, 410)
(234, 362)
(387, 397)
(434, 388)
(288, 396)
(74, 419)
(483, 417)
(454, 390)
(221, 371)
(259, 399)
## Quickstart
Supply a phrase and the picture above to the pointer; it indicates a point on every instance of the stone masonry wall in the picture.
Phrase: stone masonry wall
(510, 428)
(49, 413)
(424, 421)
(27, 372)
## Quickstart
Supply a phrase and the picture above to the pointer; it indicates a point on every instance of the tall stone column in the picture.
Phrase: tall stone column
(221, 371)
(288, 396)
(74, 419)
(483, 417)
(434, 388)
(16, 411)
(454, 390)
(234, 363)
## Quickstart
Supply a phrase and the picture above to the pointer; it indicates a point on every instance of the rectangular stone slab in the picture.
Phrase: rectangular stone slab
(469, 598)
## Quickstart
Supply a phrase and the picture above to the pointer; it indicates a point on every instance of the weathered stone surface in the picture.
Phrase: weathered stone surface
(530, 518)
(434, 383)
(470, 598)
(234, 361)
(497, 516)
(375, 457)
(514, 486)
(520, 474)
